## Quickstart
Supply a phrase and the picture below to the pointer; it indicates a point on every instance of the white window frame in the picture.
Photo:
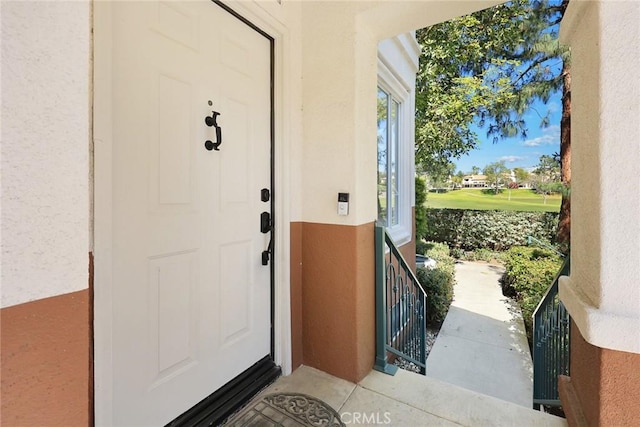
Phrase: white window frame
(402, 232)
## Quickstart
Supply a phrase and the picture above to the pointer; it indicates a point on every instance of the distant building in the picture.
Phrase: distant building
(474, 181)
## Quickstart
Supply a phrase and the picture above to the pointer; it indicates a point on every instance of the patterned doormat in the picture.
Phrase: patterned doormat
(286, 409)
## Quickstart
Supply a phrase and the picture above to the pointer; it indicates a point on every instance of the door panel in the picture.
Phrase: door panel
(191, 299)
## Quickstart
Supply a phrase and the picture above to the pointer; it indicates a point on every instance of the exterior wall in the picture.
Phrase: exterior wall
(339, 155)
(338, 286)
(297, 356)
(324, 283)
(45, 213)
(45, 149)
(339, 96)
(338, 310)
(602, 292)
(603, 389)
(45, 362)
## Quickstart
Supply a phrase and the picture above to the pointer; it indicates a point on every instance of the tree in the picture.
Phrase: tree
(475, 170)
(491, 66)
(457, 179)
(440, 173)
(548, 168)
(495, 173)
(548, 179)
(563, 236)
(522, 175)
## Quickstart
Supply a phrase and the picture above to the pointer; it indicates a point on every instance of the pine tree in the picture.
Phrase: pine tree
(490, 67)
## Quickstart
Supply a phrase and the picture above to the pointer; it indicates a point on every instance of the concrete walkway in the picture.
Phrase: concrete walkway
(406, 399)
(482, 345)
(478, 372)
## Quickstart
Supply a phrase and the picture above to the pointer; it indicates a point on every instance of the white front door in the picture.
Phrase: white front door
(191, 298)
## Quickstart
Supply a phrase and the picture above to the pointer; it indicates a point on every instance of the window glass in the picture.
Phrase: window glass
(388, 141)
(383, 107)
(393, 164)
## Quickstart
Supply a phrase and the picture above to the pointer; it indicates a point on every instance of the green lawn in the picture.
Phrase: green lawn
(482, 199)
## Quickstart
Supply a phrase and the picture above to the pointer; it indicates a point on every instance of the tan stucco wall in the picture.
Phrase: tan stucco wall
(605, 383)
(602, 294)
(332, 297)
(45, 366)
(296, 295)
(338, 295)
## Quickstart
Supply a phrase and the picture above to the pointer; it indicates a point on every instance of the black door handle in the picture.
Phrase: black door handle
(212, 121)
(265, 222)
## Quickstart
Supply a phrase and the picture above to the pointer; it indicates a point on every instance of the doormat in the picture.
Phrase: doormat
(286, 409)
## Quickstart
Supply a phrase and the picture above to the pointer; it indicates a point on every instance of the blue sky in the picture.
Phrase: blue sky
(519, 152)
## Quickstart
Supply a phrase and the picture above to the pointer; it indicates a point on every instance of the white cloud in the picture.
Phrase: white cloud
(550, 135)
(553, 107)
(511, 159)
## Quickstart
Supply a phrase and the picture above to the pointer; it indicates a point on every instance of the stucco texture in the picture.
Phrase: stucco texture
(296, 295)
(338, 299)
(45, 348)
(602, 293)
(606, 383)
(45, 148)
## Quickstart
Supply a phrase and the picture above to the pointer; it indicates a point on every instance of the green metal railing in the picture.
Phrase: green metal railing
(400, 308)
(551, 344)
(531, 240)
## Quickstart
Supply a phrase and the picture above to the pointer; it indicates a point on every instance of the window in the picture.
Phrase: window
(388, 186)
(397, 67)
(395, 180)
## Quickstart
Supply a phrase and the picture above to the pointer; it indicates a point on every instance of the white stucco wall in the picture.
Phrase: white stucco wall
(602, 293)
(340, 42)
(45, 146)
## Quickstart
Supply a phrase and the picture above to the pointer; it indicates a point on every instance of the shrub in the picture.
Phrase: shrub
(437, 251)
(495, 230)
(528, 274)
(438, 282)
(483, 254)
(420, 208)
(457, 253)
(421, 247)
(480, 254)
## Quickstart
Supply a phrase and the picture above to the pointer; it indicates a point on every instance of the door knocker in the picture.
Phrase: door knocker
(212, 121)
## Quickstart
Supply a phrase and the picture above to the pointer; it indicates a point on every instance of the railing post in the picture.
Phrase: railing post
(423, 334)
(381, 305)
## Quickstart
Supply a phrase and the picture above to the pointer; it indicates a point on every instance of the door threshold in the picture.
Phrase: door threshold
(219, 405)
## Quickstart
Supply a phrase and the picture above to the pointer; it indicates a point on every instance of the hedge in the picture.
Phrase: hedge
(528, 274)
(495, 230)
(438, 282)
